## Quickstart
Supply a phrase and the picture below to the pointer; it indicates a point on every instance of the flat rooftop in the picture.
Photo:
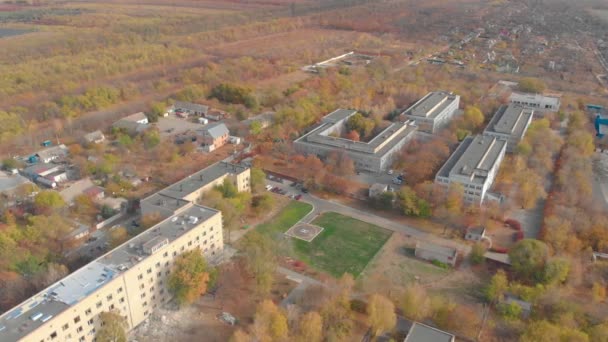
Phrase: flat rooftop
(511, 120)
(31, 314)
(473, 158)
(161, 201)
(517, 96)
(199, 179)
(448, 251)
(423, 333)
(379, 145)
(431, 105)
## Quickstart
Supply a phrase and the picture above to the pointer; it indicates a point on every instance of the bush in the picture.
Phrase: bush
(476, 257)
(358, 305)
(440, 264)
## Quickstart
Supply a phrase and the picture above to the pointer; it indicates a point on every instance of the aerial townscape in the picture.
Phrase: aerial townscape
(304, 170)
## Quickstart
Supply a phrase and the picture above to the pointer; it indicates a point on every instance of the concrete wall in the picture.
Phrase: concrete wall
(430, 256)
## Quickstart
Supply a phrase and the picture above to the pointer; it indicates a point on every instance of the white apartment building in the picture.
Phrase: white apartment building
(131, 279)
(433, 111)
(474, 164)
(510, 123)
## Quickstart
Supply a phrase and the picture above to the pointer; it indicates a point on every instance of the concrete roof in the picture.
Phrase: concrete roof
(378, 187)
(160, 200)
(431, 247)
(197, 180)
(473, 158)
(135, 117)
(216, 130)
(54, 151)
(379, 145)
(424, 333)
(511, 120)
(10, 182)
(502, 258)
(77, 188)
(195, 107)
(431, 105)
(39, 168)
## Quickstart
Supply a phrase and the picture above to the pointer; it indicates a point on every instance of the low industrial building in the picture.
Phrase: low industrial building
(510, 123)
(376, 155)
(132, 278)
(47, 155)
(214, 136)
(133, 124)
(474, 165)
(377, 189)
(423, 333)
(433, 111)
(46, 174)
(538, 102)
(432, 252)
(188, 108)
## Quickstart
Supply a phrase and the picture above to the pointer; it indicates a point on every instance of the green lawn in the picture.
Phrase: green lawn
(345, 245)
(289, 216)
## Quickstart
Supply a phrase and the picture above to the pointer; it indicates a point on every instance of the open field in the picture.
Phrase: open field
(289, 216)
(346, 245)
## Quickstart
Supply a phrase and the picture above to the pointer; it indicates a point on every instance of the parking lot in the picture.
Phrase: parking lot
(284, 187)
(172, 126)
(382, 178)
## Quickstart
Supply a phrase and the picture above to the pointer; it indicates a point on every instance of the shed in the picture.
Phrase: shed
(476, 233)
(377, 189)
(429, 251)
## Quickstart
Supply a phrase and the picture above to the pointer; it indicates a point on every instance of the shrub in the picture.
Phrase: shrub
(440, 264)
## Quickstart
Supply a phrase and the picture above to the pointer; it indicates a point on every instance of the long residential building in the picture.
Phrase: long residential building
(131, 279)
(376, 155)
(474, 165)
(433, 111)
(510, 123)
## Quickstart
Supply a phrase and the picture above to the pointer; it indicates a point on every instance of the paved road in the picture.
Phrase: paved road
(320, 206)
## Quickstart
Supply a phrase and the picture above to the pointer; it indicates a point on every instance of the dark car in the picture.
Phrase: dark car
(298, 197)
(304, 190)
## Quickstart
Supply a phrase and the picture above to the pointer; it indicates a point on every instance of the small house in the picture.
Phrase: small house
(377, 189)
(95, 137)
(185, 109)
(50, 154)
(81, 187)
(475, 233)
(46, 174)
(214, 136)
(215, 115)
(431, 252)
(133, 124)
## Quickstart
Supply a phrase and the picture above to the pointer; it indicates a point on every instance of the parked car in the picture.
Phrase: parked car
(297, 198)
(390, 172)
(268, 187)
(397, 181)
(304, 190)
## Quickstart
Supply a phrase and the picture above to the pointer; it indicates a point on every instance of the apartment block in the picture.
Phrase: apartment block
(433, 111)
(130, 279)
(376, 155)
(474, 165)
(510, 123)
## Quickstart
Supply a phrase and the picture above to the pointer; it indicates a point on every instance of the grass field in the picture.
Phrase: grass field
(345, 245)
(289, 216)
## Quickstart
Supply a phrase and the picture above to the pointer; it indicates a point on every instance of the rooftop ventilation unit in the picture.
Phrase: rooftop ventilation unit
(36, 316)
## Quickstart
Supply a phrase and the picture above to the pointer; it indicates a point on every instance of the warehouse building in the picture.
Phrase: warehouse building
(474, 165)
(510, 123)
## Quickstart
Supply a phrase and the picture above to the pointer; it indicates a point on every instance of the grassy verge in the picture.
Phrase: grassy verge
(289, 216)
(345, 245)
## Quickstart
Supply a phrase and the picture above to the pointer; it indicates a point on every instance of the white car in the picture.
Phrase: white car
(390, 172)
(268, 187)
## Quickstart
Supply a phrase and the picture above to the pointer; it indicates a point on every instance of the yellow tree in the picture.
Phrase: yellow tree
(381, 314)
(189, 277)
(269, 322)
(310, 327)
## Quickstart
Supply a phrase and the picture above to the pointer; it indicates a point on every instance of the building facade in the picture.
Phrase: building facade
(433, 111)
(474, 165)
(376, 155)
(538, 102)
(130, 279)
(510, 123)
(214, 136)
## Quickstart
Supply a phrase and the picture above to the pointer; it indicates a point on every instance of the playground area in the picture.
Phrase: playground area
(304, 231)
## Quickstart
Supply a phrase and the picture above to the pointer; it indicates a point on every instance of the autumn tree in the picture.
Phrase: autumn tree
(531, 85)
(47, 200)
(339, 163)
(113, 327)
(411, 204)
(336, 311)
(473, 117)
(269, 322)
(260, 260)
(528, 258)
(257, 179)
(189, 277)
(240, 336)
(310, 327)
(363, 125)
(381, 314)
(477, 254)
(118, 235)
(497, 287)
(416, 303)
